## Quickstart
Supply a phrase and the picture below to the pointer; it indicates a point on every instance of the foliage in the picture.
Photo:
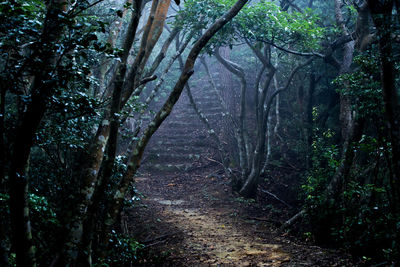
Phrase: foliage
(363, 227)
(325, 161)
(123, 251)
(363, 86)
(259, 22)
(46, 225)
(265, 22)
(197, 15)
(362, 220)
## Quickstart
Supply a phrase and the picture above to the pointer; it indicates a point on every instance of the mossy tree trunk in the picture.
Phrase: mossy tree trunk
(40, 92)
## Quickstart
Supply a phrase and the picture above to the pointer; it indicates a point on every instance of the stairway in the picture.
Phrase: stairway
(182, 142)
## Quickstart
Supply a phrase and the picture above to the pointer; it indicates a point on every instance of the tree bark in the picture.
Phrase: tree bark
(381, 12)
(151, 34)
(337, 182)
(41, 90)
(106, 137)
(250, 186)
(351, 128)
(346, 113)
(308, 120)
(243, 146)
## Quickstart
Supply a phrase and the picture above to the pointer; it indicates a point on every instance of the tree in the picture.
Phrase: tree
(261, 26)
(42, 87)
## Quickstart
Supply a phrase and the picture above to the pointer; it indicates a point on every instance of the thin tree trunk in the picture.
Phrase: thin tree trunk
(269, 150)
(244, 149)
(222, 153)
(163, 51)
(337, 182)
(221, 150)
(277, 115)
(269, 128)
(151, 34)
(249, 188)
(155, 90)
(308, 123)
(149, 76)
(236, 182)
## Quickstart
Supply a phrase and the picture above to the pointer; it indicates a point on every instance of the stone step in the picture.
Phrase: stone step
(167, 167)
(179, 143)
(205, 104)
(209, 115)
(173, 148)
(165, 157)
(185, 109)
(168, 136)
(200, 97)
(181, 140)
(176, 133)
(212, 110)
(184, 124)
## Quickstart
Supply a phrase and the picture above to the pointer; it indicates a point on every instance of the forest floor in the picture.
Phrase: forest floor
(194, 219)
(189, 216)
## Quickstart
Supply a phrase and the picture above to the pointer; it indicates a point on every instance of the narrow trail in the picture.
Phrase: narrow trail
(189, 217)
(196, 221)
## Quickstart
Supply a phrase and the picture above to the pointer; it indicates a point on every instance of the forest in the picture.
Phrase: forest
(200, 133)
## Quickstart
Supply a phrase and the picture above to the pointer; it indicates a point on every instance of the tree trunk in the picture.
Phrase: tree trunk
(382, 17)
(249, 188)
(25, 132)
(2, 134)
(346, 113)
(342, 172)
(350, 127)
(308, 120)
(243, 146)
(106, 137)
(235, 181)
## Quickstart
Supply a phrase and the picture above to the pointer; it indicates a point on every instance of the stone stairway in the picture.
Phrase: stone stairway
(182, 142)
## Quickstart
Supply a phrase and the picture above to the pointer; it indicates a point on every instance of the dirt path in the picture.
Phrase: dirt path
(191, 219)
